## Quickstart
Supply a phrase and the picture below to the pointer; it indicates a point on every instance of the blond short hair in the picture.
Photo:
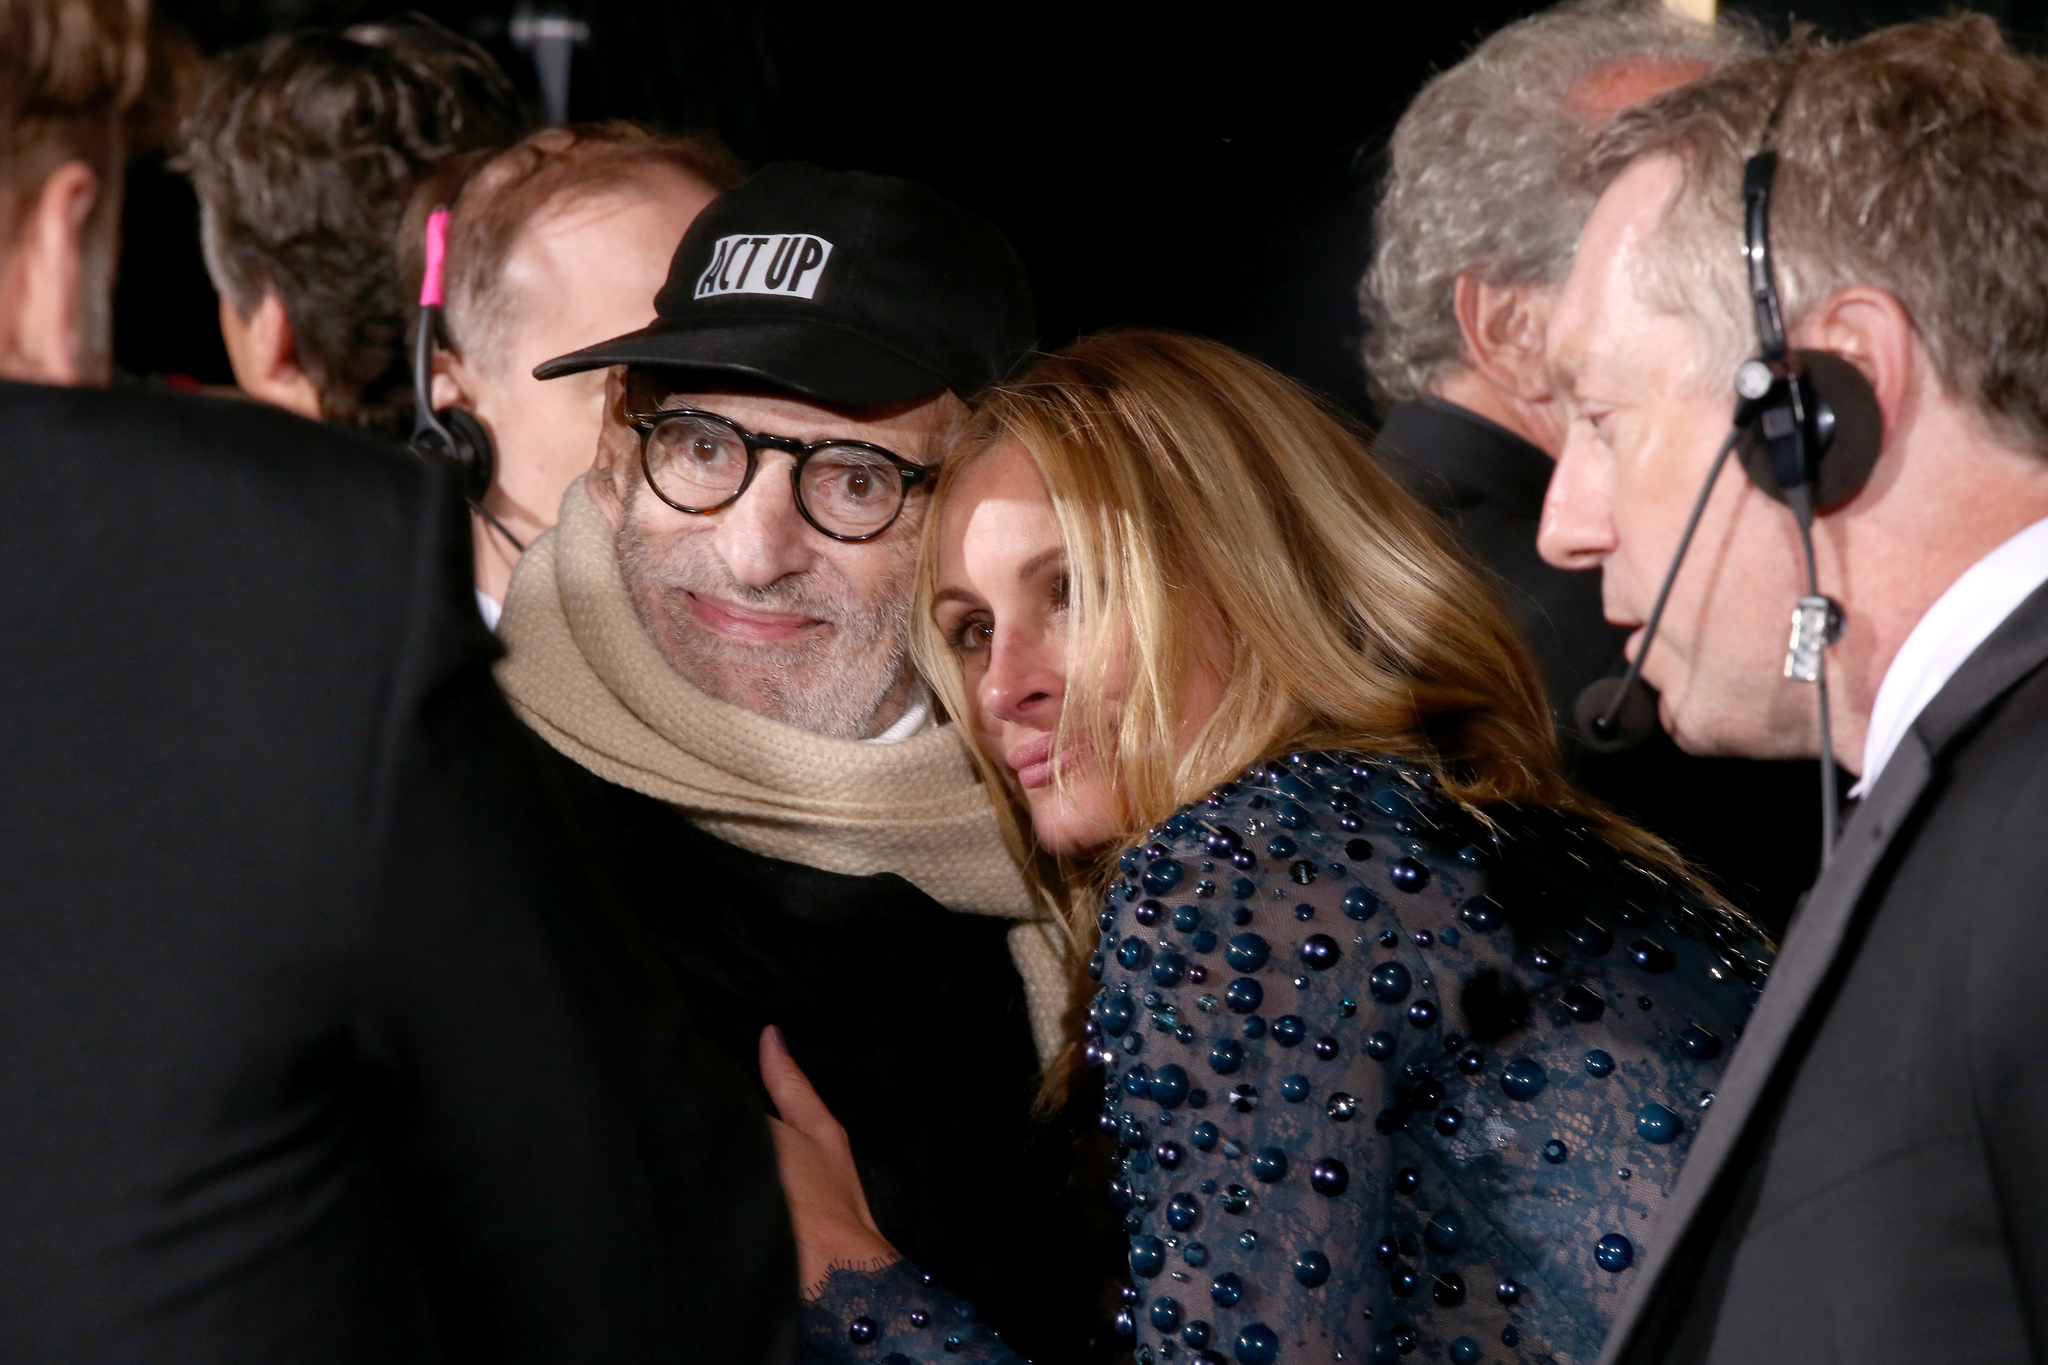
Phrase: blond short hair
(1914, 160)
(69, 69)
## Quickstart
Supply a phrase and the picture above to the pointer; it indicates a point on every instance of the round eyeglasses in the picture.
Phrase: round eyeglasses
(699, 462)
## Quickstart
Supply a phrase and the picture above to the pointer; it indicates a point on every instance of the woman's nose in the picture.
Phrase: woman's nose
(1025, 681)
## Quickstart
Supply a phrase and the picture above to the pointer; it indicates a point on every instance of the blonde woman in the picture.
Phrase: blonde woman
(1402, 1042)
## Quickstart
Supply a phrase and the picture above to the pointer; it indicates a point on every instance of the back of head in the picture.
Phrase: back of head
(1198, 488)
(69, 69)
(1914, 160)
(304, 152)
(494, 197)
(1480, 178)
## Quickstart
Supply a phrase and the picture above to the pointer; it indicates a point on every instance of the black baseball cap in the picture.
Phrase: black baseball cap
(847, 288)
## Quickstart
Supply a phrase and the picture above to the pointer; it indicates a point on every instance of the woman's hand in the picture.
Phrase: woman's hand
(827, 1206)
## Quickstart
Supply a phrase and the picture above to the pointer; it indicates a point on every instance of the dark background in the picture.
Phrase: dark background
(1213, 175)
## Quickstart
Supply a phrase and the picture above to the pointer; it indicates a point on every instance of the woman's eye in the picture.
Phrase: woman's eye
(1060, 587)
(973, 635)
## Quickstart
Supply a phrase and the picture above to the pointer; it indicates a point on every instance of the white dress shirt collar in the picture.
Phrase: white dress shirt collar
(1960, 620)
(919, 715)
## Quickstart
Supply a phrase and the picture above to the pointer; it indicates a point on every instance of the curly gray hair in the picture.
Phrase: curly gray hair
(1480, 174)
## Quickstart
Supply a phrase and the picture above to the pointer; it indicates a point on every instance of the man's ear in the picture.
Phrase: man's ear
(1870, 329)
(264, 354)
(42, 332)
(618, 450)
(1502, 327)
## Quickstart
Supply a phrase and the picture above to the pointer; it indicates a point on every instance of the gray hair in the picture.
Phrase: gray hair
(1481, 174)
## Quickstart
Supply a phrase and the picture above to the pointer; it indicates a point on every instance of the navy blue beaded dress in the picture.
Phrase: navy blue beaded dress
(1389, 1081)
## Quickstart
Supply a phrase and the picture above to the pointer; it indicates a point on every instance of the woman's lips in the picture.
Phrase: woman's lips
(1032, 762)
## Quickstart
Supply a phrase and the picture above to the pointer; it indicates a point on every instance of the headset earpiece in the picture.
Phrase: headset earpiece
(450, 434)
(1835, 415)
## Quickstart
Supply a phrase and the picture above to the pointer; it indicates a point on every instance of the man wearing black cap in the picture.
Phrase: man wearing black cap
(713, 639)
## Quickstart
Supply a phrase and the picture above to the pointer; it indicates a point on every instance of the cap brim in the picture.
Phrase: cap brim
(816, 360)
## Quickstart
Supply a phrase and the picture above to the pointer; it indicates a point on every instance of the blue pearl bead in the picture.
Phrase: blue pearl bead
(1555, 1152)
(1651, 955)
(1242, 889)
(1510, 1336)
(1449, 1289)
(1280, 846)
(1162, 875)
(1148, 1256)
(1257, 1344)
(1380, 1046)
(1148, 913)
(1481, 914)
(1290, 816)
(1204, 1136)
(1508, 1292)
(1183, 1211)
(1244, 995)
(1134, 953)
(1129, 860)
(1585, 1005)
(1407, 1180)
(1543, 960)
(1248, 952)
(1449, 1120)
(1403, 1280)
(1465, 1351)
(1138, 1081)
(1389, 983)
(1165, 1314)
(1341, 1107)
(1131, 1132)
(1422, 1013)
(1359, 903)
(1523, 1079)
(1699, 1044)
(1169, 1086)
(1592, 939)
(1614, 1253)
(1329, 1177)
(1294, 1089)
(1254, 1027)
(1195, 1334)
(1195, 1254)
(1169, 968)
(1471, 1062)
(1445, 1232)
(1225, 1056)
(1326, 1049)
(1203, 942)
(1187, 917)
(1407, 875)
(1289, 1029)
(1311, 1268)
(920, 1318)
(863, 1331)
(1598, 1063)
(1319, 952)
(1169, 1155)
(1114, 1013)
(1657, 1124)
(1269, 1164)
(1226, 1290)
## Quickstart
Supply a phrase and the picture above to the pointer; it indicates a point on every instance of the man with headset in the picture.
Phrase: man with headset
(1869, 1184)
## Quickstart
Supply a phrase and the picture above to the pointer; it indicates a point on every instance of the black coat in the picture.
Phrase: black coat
(1488, 483)
(1871, 1184)
(315, 1042)
(910, 1020)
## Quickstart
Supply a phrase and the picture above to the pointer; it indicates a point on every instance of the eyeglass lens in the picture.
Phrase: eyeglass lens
(700, 463)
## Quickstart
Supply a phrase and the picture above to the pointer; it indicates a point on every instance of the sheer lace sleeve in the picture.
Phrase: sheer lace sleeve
(1386, 1077)
(895, 1316)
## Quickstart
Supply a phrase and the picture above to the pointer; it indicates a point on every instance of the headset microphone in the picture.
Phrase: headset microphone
(450, 435)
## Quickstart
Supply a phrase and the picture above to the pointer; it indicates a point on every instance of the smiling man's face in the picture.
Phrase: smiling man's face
(751, 604)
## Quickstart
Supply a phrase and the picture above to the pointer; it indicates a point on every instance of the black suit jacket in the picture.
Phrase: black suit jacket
(1488, 483)
(315, 1044)
(1871, 1184)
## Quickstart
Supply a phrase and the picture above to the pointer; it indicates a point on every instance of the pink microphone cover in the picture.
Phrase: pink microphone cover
(437, 254)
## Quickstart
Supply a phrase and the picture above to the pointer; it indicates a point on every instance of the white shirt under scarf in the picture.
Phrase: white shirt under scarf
(1960, 620)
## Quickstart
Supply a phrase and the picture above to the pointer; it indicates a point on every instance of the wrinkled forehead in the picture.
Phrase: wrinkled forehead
(918, 429)
(1602, 297)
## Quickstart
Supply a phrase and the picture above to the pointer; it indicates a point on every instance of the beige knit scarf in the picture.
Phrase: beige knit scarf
(580, 670)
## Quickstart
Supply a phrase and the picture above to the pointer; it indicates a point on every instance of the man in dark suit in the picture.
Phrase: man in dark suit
(1474, 232)
(1870, 1183)
(315, 1044)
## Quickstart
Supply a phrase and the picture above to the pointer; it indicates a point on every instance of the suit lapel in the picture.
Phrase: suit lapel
(2015, 649)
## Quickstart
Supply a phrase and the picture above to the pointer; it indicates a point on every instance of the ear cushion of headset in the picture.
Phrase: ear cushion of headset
(472, 455)
(1857, 422)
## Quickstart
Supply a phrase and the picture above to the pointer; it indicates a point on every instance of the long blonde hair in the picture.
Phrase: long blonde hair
(1194, 486)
